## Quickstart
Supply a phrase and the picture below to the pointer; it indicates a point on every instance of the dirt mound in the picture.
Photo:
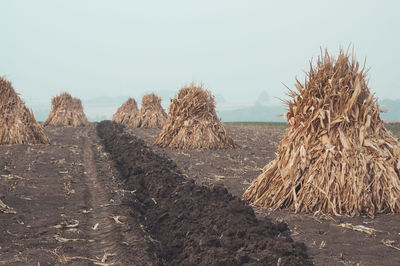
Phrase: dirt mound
(192, 224)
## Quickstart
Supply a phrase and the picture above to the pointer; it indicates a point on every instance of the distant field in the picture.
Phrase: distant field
(394, 128)
(274, 124)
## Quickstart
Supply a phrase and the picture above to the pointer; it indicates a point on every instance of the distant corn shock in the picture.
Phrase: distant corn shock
(151, 113)
(192, 122)
(66, 111)
(127, 112)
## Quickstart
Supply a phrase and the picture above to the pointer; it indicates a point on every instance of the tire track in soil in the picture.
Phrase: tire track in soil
(120, 241)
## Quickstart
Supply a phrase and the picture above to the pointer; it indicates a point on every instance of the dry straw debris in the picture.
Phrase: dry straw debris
(66, 111)
(151, 113)
(17, 123)
(336, 156)
(192, 122)
(126, 112)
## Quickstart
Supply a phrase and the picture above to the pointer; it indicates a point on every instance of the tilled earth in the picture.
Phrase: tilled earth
(327, 242)
(78, 202)
(193, 224)
(64, 205)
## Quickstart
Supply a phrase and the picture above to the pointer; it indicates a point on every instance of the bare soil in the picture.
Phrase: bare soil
(327, 242)
(192, 224)
(68, 205)
(75, 202)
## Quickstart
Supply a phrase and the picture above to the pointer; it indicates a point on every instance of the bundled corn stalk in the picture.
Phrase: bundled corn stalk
(192, 122)
(151, 113)
(17, 123)
(336, 156)
(66, 111)
(126, 113)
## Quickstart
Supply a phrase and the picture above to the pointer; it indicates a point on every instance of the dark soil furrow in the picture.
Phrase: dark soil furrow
(191, 224)
(114, 238)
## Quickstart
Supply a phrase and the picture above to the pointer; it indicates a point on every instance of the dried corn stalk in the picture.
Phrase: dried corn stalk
(126, 113)
(151, 113)
(17, 123)
(66, 111)
(336, 156)
(360, 228)
(192, 122)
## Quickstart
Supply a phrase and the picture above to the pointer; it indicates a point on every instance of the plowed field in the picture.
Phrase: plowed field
(100, 196)
(103, 195)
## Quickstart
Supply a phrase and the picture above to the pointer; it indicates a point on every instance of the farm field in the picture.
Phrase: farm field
(75, 202)
(131, 134)
(327, 242)
(71, 202)
(66, 204)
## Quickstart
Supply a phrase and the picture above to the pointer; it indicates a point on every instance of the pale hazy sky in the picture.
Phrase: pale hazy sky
(236, 48)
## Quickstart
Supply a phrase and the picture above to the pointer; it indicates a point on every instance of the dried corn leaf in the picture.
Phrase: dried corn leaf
(360, 228)
(6, 209)
(390, 243)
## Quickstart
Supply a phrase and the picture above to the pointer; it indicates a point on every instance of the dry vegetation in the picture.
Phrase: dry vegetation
(66, 111)
(17, 123)
(336, 156)
(151, 113)
(192, 122)
(126, 113)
